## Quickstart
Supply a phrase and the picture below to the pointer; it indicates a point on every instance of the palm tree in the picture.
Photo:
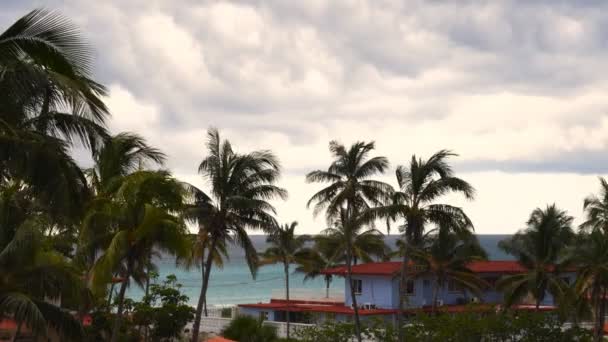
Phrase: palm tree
(320, 257)
(541, 250)
(285, 248)
(121, 155)
(143, 218)
(590, 256)
(198, 248)
(596, 210)
(421, 185)
(47, 102)
(349, 193)
(367, 243)
(31, 270)
(446, 257)
(241, 186)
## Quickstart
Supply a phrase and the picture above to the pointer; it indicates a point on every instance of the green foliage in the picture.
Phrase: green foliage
(249, 329)
(242, 186)
(166, 309)
(101, 329)
(226, 313)
(467, 326)
(541, 249)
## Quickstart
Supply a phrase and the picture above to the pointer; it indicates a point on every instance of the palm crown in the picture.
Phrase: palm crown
(241, 186)
(541, 249)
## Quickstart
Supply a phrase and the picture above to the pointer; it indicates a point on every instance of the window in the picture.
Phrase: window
(426, 283)
(358, 286)
(263, 315)
(410, 287)
(453, 286)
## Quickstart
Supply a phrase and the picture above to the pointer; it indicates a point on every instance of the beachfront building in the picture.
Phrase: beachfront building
(377, 291)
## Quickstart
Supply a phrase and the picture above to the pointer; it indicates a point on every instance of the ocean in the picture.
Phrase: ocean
(233, 284)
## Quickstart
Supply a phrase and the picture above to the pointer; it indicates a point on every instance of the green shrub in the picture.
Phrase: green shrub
(226, 312)
(468, 326)
(249, 329)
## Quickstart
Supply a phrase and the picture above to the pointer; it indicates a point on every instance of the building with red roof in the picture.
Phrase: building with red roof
(377, 292)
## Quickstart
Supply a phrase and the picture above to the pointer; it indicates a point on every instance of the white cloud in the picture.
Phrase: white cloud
(517, 86)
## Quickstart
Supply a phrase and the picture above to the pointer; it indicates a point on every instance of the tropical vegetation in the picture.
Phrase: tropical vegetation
(285, 248)
(350, 193)
(73, 240)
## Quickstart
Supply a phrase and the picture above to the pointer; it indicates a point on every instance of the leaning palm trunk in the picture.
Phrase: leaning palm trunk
(203, 296)
(110, 297)
(352, 292)
(121, 300)
(287, 296)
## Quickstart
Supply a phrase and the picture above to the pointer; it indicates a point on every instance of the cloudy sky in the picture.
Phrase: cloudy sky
(517, 88)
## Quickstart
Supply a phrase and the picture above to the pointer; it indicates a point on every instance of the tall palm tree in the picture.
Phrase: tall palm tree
(421, 184)
(590, 256)
(446, 256)
(143, 216)
(32, 271)
(285, 248)
(241, 186)
(47, 102)
(350, 192)
(541, 249)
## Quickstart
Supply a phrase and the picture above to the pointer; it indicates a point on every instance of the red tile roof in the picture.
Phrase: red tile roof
(372, 268)
(329, 308)
(392, 268)
(8, 324)
(219, 339)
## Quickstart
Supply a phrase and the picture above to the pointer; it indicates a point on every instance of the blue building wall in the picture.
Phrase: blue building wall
(384, 293)
(377, 290)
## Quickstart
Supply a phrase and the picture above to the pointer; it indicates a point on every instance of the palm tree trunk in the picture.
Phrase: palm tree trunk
(402, 297)
(203, 295)
(602, 312)
(435, 295)
(121, 299)
(286, 264)
(17, 332)
(146, 293)
(110, 296)
(327, 282)
(597, 328)
(352, 291)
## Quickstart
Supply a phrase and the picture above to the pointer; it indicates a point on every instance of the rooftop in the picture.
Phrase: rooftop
(392, 268)
(308, 306)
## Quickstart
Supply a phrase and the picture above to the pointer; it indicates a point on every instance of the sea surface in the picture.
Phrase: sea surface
(233, 284)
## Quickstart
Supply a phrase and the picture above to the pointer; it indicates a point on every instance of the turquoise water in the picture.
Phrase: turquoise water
(234, 285)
